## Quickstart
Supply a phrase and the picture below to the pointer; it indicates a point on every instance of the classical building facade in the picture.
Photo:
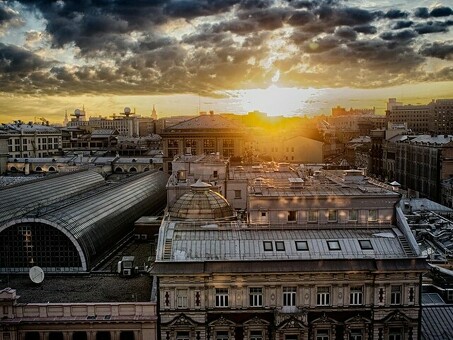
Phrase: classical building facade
(31, 140)
(75, 321)
(325, 257)
(205, 134)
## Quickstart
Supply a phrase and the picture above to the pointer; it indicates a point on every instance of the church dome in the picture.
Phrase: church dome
(201, 203)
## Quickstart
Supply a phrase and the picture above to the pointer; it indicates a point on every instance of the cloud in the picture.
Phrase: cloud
(9, 18)
(16, 60)
(441, 12)
(441, 50)
(208, 46)
(396, 14)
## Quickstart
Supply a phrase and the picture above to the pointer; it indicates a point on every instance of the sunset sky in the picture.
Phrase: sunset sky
(286, 57)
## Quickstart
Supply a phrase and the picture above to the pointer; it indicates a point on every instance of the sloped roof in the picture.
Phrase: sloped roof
(206, 122)
(437, 322)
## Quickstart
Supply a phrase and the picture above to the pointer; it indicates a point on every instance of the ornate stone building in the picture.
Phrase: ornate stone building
(322, 257)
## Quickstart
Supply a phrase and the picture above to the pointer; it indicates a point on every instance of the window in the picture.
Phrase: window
(301, 245)
(332, 216)
(312, 216)
(356, 334)
(221, 297)
(356, 295)
(5, 310)
(395, 334)
(6, 336)
(333, 245)
(268, 246)
(181, 298)
(353, 215)
(322, 334)
(395, 295)
(215, 174)
(221, 335)
(237, 194)
(292, 216)
(372, 215)
(323, 296)
(182, 336)
(279, 245)
(365, 244)
(256, 335)
(289, 296)
(263, 214)
(449, 294)
(256, 296)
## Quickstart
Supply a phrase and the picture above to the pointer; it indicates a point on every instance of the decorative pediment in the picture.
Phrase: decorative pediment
(291, 323)
(256, 321)
(397, 317)
(325, 320)
(358, 319)
(222, 322)
(182, 320)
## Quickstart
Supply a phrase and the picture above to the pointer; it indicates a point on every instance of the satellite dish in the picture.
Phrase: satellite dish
(36, 274)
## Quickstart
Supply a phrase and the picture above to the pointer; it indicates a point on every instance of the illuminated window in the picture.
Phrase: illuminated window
(256, 297)
(301, 245)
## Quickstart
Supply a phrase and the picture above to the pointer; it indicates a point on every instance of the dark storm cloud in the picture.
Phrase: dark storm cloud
(395, 14)
(365, 29)
(402, 24)
(14, 59)
(301, 18)
(421, 12)
(431, 27)
(441, 12)
(400, 35)
(441, 50)
(129, 46)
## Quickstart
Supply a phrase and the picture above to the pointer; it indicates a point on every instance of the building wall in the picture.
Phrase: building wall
(198, 302)
(116, 319)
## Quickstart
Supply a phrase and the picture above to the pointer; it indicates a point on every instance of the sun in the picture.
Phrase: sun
(275, 100)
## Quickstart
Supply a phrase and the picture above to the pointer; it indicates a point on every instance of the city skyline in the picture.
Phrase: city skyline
(279, 57)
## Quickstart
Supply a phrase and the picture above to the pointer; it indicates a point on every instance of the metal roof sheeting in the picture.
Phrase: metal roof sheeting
(437, 323)
(216, 243)
(99, 218)
(18, 200)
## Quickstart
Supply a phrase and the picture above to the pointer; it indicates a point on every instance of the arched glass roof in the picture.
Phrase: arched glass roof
(97, 219)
